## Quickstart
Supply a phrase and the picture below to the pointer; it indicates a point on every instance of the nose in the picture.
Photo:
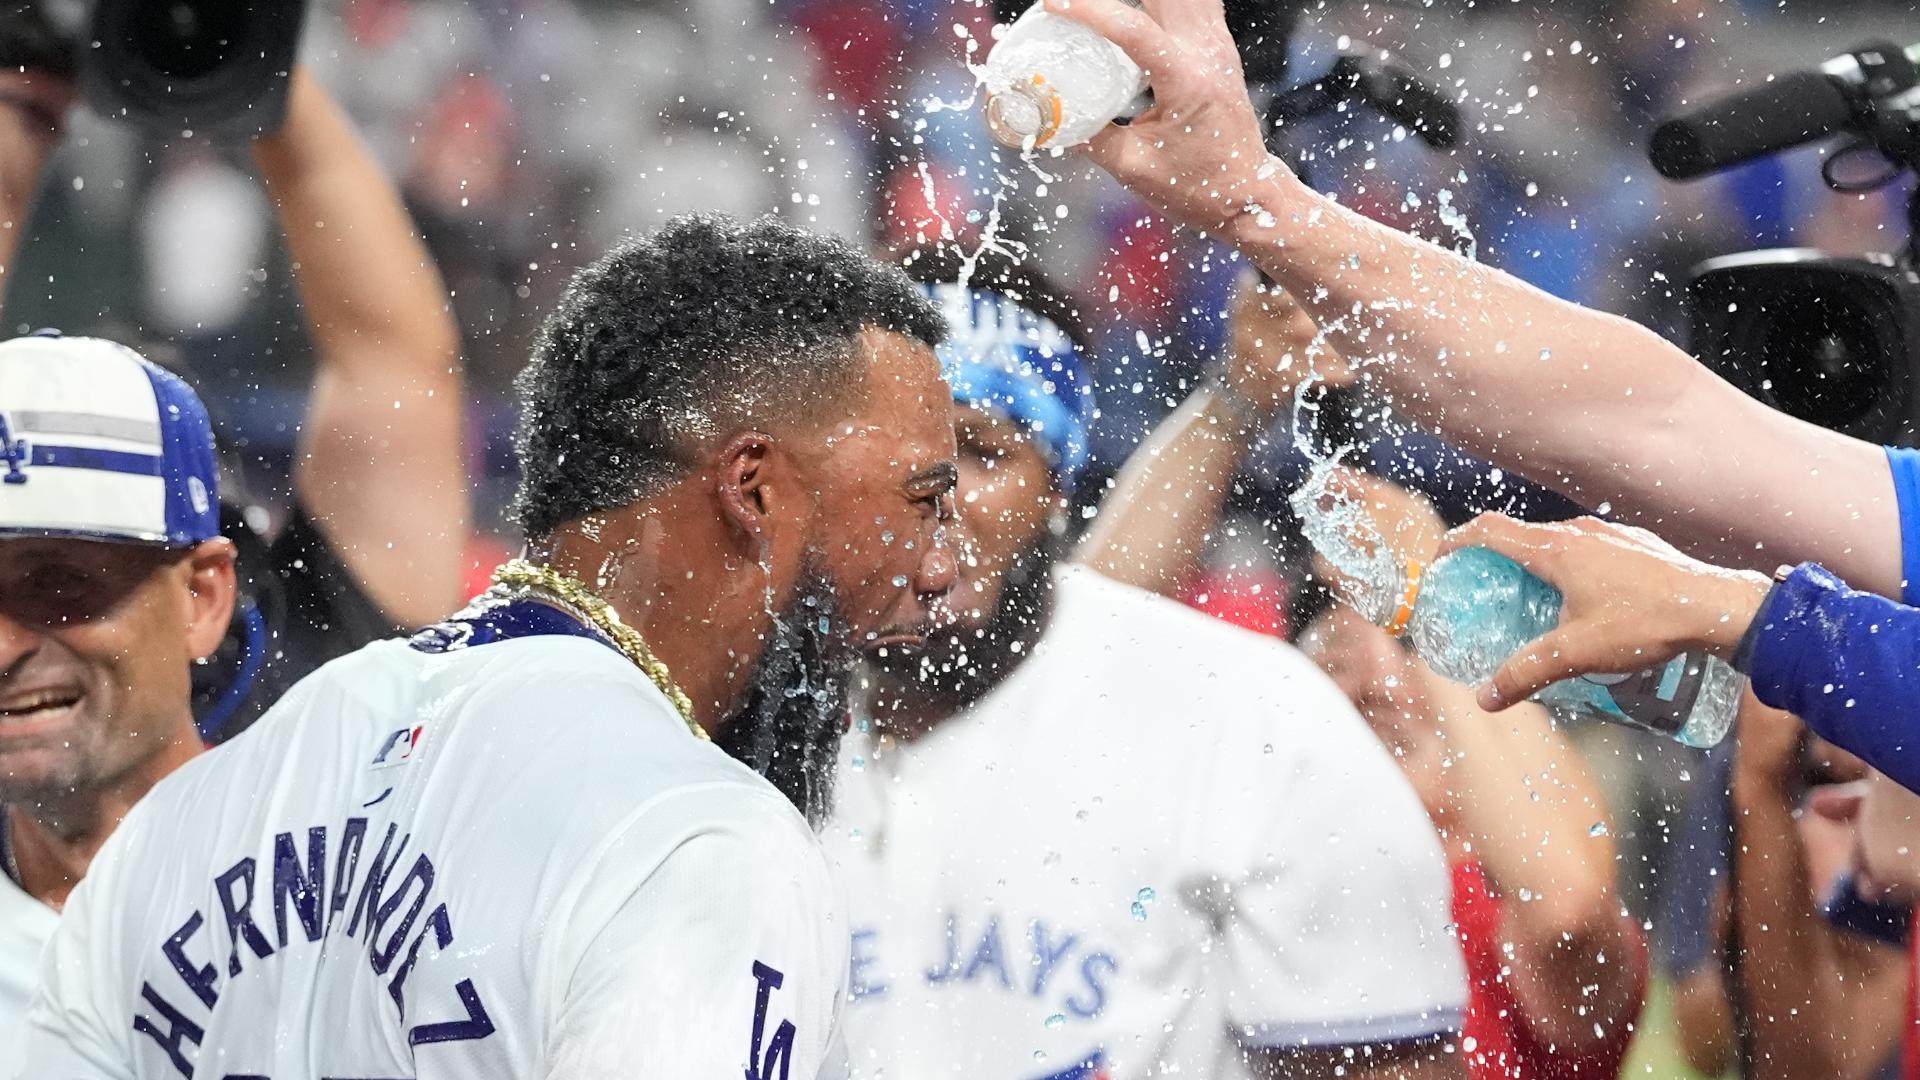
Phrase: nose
(939, 569)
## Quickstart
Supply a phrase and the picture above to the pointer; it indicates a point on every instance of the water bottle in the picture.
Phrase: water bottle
(1474, 608)
(1053, 82)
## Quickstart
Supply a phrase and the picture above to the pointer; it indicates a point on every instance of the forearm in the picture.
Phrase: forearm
(385, 423)
(370, 288)
(1789, 979)
(1592, 404)
(1154, 526)
(1847, 663)
(1529, 808)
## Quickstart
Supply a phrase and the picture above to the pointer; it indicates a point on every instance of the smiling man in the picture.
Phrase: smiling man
(113, 580)
(509, 846)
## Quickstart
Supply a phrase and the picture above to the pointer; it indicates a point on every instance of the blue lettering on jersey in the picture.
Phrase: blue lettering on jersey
(861, 983)
(388, 902)
(763, 1055)
(984, 959)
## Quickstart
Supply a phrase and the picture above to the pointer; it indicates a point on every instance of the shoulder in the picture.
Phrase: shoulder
(1161, 647)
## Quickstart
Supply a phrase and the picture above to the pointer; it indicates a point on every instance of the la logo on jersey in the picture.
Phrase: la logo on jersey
(399, 747)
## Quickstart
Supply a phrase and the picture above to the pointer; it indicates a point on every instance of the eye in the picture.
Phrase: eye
(58, 582)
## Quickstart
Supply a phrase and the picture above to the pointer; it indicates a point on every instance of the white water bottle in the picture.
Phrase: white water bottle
(1054, 82)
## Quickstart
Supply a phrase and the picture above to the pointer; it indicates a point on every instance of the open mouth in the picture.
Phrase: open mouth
(33, 706)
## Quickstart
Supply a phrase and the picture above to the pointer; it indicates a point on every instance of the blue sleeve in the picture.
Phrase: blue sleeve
(1847, 663)
(1905, 464)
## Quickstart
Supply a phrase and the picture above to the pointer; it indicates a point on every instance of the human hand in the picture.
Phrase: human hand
(1273, 347)
(1632, 601)
(1198, 153)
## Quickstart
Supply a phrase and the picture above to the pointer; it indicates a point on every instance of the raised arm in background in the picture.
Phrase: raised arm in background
(1591, 404)
(1820, 1001)
(382, 460)
(1155, 525)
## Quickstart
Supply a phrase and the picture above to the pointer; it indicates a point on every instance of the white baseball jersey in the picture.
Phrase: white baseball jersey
(1163, 841)
(504, 860)
(25, 926)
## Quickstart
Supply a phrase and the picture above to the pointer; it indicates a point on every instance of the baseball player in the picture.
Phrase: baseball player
(1094, 833)
(511, 846)
(114, 578)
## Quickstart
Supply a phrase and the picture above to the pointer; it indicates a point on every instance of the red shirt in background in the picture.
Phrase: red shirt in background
(1499, 1043)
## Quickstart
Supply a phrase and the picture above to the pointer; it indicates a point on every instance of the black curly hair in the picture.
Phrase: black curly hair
(673, 336)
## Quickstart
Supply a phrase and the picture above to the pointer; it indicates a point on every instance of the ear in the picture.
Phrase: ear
(744, 484)
(213, 583)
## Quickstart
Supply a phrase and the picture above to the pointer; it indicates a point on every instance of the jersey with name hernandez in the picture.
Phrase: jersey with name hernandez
(505, 860)
(1162, 844)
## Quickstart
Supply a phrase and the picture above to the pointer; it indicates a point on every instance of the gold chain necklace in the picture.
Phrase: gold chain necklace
(521, 574)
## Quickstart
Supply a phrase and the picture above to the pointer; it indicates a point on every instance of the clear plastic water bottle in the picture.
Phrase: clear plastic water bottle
(1474, 608)
(1054, 82)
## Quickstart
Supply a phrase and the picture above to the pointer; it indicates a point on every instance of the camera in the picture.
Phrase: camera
(218, 68)
(1829, 338)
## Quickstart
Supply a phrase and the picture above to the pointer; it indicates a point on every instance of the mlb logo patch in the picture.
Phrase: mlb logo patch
(399, 747)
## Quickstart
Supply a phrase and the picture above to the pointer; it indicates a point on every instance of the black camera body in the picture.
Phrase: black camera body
(217, 68)
(1831, 339)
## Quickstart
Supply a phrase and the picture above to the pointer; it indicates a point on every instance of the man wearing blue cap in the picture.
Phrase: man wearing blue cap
(1092, 833)
(114, 580)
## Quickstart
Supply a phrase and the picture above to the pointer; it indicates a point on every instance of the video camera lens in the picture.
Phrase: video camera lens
(1822, 357)
(1831, 340)
(188, 39)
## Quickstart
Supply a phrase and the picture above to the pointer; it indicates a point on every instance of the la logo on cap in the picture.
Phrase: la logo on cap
(14, 452)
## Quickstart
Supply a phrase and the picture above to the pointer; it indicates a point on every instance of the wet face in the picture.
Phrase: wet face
(96, 642)
(879, 529)
(1008, 503)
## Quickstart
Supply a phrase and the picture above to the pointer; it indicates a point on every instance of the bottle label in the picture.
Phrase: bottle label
(1657, 699)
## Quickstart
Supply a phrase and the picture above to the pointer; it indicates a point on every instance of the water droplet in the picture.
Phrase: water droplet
(899, 581)
(1599, 829)
(1055, 1020)
(1140, 901)
(1267, 749)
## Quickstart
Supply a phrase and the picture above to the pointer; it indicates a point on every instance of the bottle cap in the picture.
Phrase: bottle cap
(1024, 113)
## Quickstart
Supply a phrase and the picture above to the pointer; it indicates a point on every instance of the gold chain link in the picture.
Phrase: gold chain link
(521, 574)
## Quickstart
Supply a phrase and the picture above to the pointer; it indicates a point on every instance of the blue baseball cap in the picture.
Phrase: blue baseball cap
(97, 443)
(1000, 355)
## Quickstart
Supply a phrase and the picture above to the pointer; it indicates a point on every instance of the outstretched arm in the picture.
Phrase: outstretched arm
(1589, 403)
(382, 466)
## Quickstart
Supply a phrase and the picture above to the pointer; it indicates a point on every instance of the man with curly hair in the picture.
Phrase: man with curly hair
(505, 847)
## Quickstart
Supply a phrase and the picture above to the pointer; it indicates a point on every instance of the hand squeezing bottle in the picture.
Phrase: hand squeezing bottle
(1473, 609)
(1054, 82)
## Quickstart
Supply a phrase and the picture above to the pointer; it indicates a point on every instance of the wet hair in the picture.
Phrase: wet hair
(671, 337)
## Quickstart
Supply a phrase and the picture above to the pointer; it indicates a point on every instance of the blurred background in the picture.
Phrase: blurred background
(530, 134)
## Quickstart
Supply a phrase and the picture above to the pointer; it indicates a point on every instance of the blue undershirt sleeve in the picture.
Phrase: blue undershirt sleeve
(1847, 663)
(1905, 464)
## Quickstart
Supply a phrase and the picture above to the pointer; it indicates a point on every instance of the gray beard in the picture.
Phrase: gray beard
(795, 714)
